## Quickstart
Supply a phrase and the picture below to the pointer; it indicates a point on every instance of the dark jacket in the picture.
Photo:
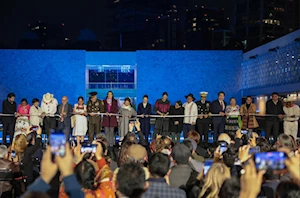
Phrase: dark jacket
(216, 108)
(110, 121)
(146, 111)
(180, 174)
(271, 108)
(9, 108)
(203, 109)
(67, 119)
(28, 161)
(176, 128)
(7, 166)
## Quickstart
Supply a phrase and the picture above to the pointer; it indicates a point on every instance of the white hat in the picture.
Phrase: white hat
(289, 99)
(47, 97)
(203, 93)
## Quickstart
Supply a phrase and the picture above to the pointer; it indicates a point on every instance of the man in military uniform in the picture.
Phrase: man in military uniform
(94, 106)
(203, 120)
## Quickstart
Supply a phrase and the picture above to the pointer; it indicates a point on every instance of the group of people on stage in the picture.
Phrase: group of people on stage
(172, 120)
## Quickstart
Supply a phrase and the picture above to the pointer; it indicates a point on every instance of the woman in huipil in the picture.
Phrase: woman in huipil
(22, 121)
(36, 113)
(127, 112)
(80, 113)
(162, 107)
(109, 121)
(232, 112)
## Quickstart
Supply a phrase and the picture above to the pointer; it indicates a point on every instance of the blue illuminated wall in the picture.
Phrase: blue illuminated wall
(183, 72)
(32, 73)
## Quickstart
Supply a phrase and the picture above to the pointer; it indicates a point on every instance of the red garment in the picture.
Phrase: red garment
(110, 121)
(23, 109)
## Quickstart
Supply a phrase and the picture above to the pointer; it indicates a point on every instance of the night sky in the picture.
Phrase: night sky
(15, 15)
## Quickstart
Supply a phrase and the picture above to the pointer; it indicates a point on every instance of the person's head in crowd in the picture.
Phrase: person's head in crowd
(35, 195)
(64, 100)
(85, 174)
(164, 96)
(110, 95)
(158, 145)
(263, 144)
(3, 152)
(232, 101)
(123, 155)
(286, 141)
(224, 137)
(168, 143)
(181, 154)
(194, 135)
(80, 100)
(130, 181)
(221, 95)
(130, 137)
(145, 99)
(178, 104)
(24, 102)
(275, 96)
(287, 189)
(20, 143)
(191, 144)
(159, 165)
(35, 102)
(230, 188)
(232, 136)
(229, 156)
(137, 153)
(127, 102)
(248, 100)
(214, 180)
(11, 97)
(31, 138)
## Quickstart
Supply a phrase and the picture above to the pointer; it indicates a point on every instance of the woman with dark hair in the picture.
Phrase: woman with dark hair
(162, 107)
(80, 128)
(123, 154)
(176, 124)
(36, 113)
(23, 119)
(232, 112)
(109, 121)
(127, 112)
(145, 109)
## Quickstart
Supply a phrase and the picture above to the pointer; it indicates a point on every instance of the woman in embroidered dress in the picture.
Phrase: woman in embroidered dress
(127, 112)
(22, 121)
(232, 112)
(80, 128)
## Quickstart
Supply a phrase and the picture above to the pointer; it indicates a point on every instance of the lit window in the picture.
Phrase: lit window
(194, 24)
(116, 1)
(194, 19)
(194, 29)
(184, 46)
(153, 45)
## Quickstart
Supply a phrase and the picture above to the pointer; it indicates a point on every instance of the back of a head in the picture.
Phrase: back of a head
(123, 155)
(85, 174)
(286, 141)
(194, 135)
(188, 144)
(20, 143)
(230, 188)
(224, 137)
(3, 151)
(159, 165)
(181, 154)
(287, 189)
(229, 156)
(130, 137)
(130, 181)
(263, 144)
(215, 177)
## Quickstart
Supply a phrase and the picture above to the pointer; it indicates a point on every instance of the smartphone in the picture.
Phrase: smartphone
(244, 132)
(270, 160)
(207, 165)
(254, 150)
(13, 154)
(34, 128)
(88, 148)
(58, 144)
(223, 147)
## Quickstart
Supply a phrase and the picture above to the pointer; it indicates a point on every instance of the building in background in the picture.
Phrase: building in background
(260, 21)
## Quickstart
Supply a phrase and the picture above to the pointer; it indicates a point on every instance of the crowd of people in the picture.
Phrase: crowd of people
(164, 167)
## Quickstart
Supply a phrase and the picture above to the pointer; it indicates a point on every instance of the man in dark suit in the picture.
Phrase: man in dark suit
(9, 106)
(218, 107)
(65, 111)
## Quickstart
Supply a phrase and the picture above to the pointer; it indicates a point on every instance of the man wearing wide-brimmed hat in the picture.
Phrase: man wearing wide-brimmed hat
(49, 108)
(292, 113)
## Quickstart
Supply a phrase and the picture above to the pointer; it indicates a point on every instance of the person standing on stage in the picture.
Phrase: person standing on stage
(203, 119)
(110, 122)
(145, 110)
(248, 111)
(94, 106)
(80, 113)
(127, 112)
(162, 107)
(36, 113)
(22, 122)
(9, 106)
(49, 108)
(191, 113)
(65, 110)
(232, 112)
(176, 123)
(274, 107)
(292, 113)
(218, 107)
